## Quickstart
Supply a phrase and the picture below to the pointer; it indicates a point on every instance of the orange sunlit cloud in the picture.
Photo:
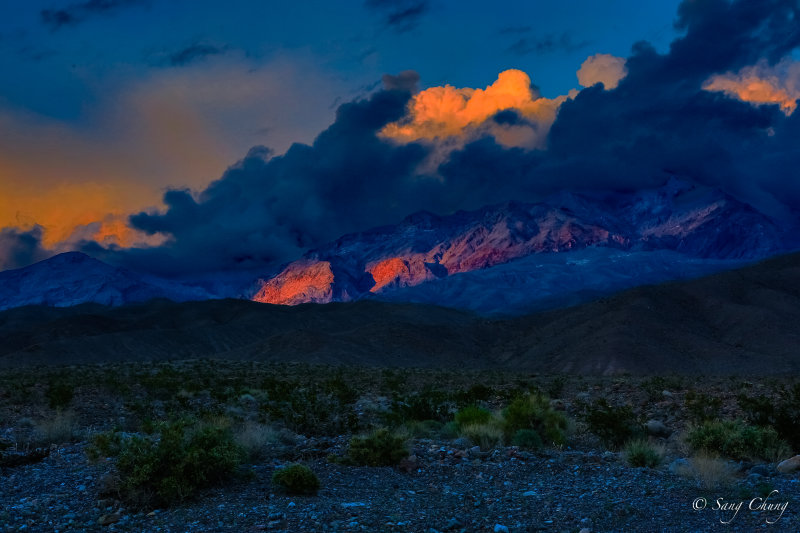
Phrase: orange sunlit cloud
(762, 84)
(602, 68)
(439, 113)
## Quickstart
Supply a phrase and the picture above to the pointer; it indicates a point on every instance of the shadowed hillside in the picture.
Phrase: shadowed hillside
(742, 321)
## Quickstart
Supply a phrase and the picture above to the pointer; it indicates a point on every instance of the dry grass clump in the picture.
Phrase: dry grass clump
(60, 428)
(256, 439)
(709, 471)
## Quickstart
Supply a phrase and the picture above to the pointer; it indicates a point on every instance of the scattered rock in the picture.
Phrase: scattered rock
(678, 466)
(409, 465)
(657, 428)
(500, 528)
(453, 523)
(110, 518)
(789, 465)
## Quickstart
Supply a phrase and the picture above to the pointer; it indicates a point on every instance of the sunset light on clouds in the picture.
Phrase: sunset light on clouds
(266, 142)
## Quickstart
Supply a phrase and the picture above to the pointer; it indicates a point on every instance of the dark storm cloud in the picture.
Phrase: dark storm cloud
(19, 248)
(265, 209)
(408, 80)
(657, 123)
(548, 44)
(76, 13)
(401, 15)
(194, 52)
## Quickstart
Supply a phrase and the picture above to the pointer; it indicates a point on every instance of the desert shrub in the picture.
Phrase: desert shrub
(472, 414)
(105, 444)
(487, 435)
(57, 429)
(781, 413)
(701, 407)
(641, 453)
(379, 448)
(556, 387)
(533, 411)
(614, 425)
(311, 410)
(427, 429)
(254, 438)
(429, 404)
(174, 464)
(476, 393)
(654, 386)
(59, 393)
(527, 438)
(296, 479)
(737, 440)
(449, 430)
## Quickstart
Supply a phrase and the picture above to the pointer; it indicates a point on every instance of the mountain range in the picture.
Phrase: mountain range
(506, 259)
(741, 321)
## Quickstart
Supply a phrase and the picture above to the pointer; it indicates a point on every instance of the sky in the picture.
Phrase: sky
(149, 132)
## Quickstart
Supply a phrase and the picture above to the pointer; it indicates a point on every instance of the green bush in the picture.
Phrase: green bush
(296, 479)
(781, 413)
(430, 404)
(527, 438)
(472, 414)
(737, 440)
(106, 444)
(640, 453)
(426, 429)
(487, 435)
(379, 448)
(614, 425)
(533, 411)
(173, 465)
(701, 407)
(59, 394)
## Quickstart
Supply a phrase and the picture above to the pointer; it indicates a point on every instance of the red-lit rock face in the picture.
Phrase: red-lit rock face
(397, 272)
(300, 282)
(425, 246)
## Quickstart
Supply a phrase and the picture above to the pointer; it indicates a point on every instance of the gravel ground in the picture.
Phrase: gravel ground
(447, 489)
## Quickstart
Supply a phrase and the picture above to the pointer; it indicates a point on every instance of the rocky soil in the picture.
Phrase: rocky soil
(443, 488)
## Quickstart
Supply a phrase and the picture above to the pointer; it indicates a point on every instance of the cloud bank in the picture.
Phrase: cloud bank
(657, 115)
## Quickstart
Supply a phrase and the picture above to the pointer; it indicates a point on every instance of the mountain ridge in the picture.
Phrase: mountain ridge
(735, 322)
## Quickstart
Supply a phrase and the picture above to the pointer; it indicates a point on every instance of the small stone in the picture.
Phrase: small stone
(500, 528)
(453, 523)
(585, 530)
(679, 466)
(529, 493)
(108, 519)
(558, 405)
(475, 451)
(409, 464)
(760, 470)
(657, 428)
(666, 394)
(789, 465)
(461, 442)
